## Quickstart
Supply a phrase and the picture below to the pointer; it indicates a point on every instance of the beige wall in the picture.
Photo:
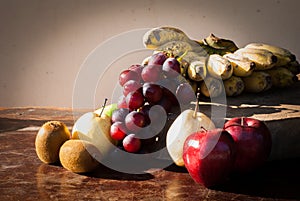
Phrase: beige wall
(44, 42)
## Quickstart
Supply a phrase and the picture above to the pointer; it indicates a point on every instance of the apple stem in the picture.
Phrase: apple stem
(103, 106)
(242, 121)
(197, 106)
(203, 128)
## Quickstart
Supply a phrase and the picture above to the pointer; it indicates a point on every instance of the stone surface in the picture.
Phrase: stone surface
(24, 177)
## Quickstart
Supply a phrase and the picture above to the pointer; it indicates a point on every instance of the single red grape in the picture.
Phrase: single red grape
(130, 86)
(157, 59)
(145, 111)
(131, 143)
(171, 67)
(135, 100)
(127, 75)
(152, 73)
(135, 121)
(136, 68)
(119, 114)
(118, 130)
(152, 92)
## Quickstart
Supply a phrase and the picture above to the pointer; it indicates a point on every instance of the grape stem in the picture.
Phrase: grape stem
(179, 58)
(103, 106)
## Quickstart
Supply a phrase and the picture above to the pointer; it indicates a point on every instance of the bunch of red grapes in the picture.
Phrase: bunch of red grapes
(151, 94)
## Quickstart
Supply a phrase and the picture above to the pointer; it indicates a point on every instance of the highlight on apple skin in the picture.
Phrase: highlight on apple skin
(209, 156)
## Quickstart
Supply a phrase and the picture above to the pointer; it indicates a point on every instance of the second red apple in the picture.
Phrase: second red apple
(253, 141)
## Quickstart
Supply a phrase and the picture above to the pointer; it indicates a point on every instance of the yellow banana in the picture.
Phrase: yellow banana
(242, 66)
(211, 87)
(294, 67)
(194, 65)
(219, 67)
(257, 82)
(194, 85)
(183, 68)
(159, 36)
(234, 86)
(220, 43)
(263, 59)
(284, 56)
(281, 77)
(196, 70)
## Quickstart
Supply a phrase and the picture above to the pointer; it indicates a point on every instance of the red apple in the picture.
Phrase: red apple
(209, 156)
(253, 140)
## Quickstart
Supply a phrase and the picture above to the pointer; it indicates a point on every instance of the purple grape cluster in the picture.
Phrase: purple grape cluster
(138, 117)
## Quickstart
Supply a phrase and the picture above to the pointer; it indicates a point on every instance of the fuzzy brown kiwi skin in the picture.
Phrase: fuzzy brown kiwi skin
(79, 156)
(50, 137)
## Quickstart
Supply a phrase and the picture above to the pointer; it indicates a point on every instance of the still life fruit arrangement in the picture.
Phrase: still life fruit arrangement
(180, 71)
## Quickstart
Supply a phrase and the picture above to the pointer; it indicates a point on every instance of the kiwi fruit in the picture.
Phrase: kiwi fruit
(79, 156)
(50, 137)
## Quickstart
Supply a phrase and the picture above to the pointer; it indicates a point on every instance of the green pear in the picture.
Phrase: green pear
(188, 122)
(95, 129)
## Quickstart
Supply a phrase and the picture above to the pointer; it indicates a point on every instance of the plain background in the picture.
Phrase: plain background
(44, 42)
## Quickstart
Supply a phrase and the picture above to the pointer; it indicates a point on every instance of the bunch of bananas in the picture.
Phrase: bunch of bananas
(216, 65)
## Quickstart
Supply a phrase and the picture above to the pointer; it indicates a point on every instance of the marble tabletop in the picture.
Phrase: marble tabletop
(24, 177)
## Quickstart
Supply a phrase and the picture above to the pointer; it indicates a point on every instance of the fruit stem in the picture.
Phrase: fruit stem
(242, 121)
(203, 128)
(179, 58)
(197, 106)
(103, 106)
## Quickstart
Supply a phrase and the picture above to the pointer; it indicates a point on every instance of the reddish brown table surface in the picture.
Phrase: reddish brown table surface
(24, 177)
